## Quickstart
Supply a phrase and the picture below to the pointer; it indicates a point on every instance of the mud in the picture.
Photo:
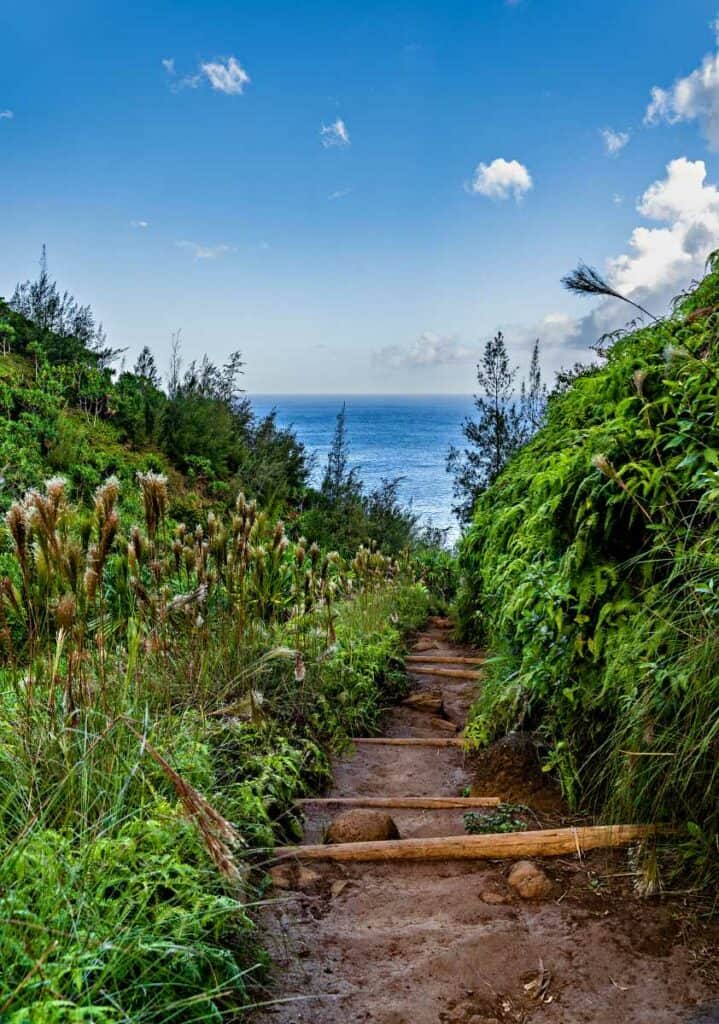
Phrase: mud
(414, 943)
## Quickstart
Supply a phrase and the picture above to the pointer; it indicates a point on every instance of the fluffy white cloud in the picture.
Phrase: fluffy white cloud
(335, 134)
(501, 179)
(614, 142)
(6, 115)
(139, 224)
(168, 64)
(226, 76)
(659, 262)
(427, 351)
(340, 193)
(204, 252)
(692, 98)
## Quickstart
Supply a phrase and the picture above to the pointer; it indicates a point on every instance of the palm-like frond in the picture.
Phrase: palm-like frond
(585, 280)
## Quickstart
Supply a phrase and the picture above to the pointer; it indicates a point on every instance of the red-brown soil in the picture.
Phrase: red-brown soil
(452, 943)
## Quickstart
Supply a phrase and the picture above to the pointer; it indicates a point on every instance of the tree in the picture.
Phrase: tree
(340, 484)
(494, 435)
(146, 368)
(533, 396)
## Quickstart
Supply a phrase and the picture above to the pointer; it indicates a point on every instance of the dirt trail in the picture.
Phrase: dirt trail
(450, 942)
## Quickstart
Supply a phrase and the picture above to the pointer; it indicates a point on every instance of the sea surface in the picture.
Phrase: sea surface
(388, 436)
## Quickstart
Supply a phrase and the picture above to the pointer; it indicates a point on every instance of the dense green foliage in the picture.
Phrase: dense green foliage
(591, 569)
(176, 664)
(164, 695)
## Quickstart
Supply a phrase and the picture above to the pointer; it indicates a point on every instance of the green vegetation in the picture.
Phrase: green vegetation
(591, 570)
(176, 664)
(506, 818)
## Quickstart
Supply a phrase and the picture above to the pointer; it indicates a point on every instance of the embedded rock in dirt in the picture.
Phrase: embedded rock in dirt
(290, 876)
(361, 826)
(529, 881)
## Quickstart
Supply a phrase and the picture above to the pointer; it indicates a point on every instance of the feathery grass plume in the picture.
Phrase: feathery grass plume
(638, 379)
(65, 611)
(585, 280)
(154, 500)
(105, 499)
(219, 836)
(17, 523)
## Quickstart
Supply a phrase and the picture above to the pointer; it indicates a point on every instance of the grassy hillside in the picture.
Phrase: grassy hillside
(591, 569)
(176, 664)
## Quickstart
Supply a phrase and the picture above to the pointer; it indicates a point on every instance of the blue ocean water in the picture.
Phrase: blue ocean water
(388, 436)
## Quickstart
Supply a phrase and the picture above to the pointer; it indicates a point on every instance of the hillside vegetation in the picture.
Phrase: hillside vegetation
(176, 664)
(591, 569)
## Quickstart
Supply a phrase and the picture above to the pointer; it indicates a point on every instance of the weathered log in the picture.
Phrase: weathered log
(549, 842)
(424, 702)
(429, 803)
(424, 669)
(443, 659)
(409, 741)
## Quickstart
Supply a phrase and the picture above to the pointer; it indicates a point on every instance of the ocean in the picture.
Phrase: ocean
(389, 436)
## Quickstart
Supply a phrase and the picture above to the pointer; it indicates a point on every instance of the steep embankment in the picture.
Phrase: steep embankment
(591, 571)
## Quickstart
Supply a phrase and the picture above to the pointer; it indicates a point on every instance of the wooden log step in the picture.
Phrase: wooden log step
(408, 741)
(549, 842)
(424, 701)
(443, 673)
(443, 659)
(429, 803)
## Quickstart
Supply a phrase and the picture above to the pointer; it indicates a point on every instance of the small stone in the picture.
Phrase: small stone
(492, 897)
(529, 881)
(281, 876)
(307, 878)
(361, 825)
(338, 887)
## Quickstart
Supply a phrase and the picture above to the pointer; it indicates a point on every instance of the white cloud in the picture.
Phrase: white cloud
(692, 98)
(6, 115)
(614, 142)
(334, 134)
(226, 76)
(501, 179)
(139, 224)
(168, 64)
(427, 351)
(340, 193)
(659, 263)
(617, 199)
(204, 252)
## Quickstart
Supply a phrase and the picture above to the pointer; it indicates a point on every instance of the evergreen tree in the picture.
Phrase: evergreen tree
(493, 436)
(340, 484)
(533, 398)
(146, 368)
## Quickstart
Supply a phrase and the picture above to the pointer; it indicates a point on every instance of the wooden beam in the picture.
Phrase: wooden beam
(445, 673)
(429, 803)
(408, 741)
(549, 842)
(443, 659)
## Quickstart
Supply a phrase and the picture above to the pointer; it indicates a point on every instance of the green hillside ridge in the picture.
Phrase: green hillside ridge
(591, 570)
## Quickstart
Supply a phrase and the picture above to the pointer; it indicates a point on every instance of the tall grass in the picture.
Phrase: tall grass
(164, 695)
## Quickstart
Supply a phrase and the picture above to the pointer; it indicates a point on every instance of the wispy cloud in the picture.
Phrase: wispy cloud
(617, 199)
(6, 115)
(334, 134)
(614, 142)
(226, 76)
(139, 224)
(427, 351)
(340, 193)
(204, 252)
(692, 98)
(501, 179)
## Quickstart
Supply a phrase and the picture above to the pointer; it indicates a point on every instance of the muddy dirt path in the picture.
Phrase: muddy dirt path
(452, 942)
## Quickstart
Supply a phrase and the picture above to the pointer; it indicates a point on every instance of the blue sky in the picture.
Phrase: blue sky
(184, 196)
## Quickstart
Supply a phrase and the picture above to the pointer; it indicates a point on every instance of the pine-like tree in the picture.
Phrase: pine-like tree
(494, 435)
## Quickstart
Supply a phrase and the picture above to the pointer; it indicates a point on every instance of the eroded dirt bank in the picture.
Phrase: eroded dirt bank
(453, 943)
